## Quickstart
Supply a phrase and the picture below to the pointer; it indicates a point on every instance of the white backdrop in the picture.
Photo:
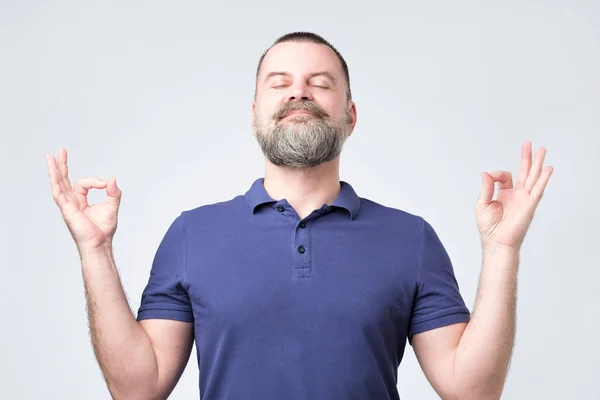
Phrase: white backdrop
(159, 94)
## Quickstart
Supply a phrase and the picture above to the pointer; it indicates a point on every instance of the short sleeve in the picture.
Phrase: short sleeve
(438, 301)
(164, 296)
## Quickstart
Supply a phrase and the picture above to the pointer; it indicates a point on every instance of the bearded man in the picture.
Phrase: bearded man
(299, 288)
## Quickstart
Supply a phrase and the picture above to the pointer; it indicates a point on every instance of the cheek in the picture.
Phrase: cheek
(263, 118)
(332, 106)
(267, 109)
(266, 116)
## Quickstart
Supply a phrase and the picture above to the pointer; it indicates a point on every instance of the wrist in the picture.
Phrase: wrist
(498, 248)
(501, 257)
(95, 252)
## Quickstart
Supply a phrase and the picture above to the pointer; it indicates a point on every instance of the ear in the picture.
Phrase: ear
(353, 116)
(252, 117)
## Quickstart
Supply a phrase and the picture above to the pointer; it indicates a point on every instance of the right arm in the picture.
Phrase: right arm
(139, 360)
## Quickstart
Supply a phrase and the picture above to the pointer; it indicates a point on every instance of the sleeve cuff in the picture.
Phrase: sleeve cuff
(444, 320)
(177, 315)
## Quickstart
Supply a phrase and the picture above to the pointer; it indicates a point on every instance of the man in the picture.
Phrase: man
(299, 288)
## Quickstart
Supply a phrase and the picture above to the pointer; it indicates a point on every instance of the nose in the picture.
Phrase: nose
(299, 92)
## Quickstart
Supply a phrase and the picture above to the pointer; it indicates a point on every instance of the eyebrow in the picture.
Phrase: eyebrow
(281, 73)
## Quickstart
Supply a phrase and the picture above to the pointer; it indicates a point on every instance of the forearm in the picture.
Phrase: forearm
(484, 351)
(122, 348)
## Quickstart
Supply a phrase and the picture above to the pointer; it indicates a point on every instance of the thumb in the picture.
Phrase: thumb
(487, 190)
(113, 193)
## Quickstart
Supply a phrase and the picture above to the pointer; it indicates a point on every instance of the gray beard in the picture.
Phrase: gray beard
(302, 141)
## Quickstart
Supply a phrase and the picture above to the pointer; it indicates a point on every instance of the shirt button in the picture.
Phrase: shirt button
(280, 208)
(301, 249)
(302, 225)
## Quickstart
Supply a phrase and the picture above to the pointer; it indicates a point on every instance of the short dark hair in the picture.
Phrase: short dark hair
(313, 38)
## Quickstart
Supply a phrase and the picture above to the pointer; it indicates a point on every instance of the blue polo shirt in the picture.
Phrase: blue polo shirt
(289, 308)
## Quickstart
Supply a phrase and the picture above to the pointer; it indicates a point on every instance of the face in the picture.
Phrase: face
(301, 116)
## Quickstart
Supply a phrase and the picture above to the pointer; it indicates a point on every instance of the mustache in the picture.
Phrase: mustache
(306, 106)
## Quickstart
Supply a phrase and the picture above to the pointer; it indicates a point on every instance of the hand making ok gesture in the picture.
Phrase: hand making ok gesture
(92, 227)
(505, 221)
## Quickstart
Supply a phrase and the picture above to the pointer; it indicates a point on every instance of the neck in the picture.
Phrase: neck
(306, 189)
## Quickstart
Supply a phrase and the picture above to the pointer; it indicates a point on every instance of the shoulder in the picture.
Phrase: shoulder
(396, 218)
(215, 214)
(228, 205)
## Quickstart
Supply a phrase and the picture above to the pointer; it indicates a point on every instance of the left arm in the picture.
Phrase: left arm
(470, 360)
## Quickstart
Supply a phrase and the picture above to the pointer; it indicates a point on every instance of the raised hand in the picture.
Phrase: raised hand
(92, 227)
(505, 221)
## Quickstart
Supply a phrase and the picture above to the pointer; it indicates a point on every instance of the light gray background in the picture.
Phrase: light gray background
(158, 94)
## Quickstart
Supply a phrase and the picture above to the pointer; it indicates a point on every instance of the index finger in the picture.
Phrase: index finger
(83, 186)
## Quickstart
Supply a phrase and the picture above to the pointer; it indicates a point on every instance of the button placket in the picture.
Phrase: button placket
(302, 254)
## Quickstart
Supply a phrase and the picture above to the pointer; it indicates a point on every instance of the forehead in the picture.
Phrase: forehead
(300, 58)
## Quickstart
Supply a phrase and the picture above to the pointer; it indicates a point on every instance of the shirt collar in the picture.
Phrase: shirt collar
(346, 198)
